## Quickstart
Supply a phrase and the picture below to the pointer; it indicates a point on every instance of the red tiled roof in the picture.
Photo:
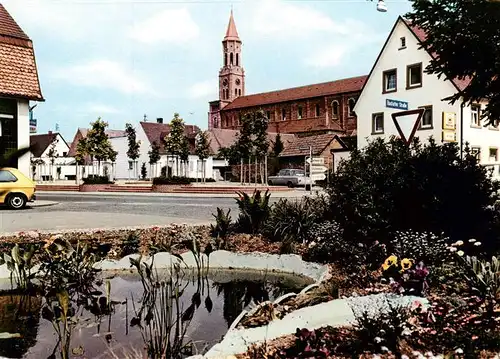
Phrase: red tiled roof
(347, 85)
(157, 131)
(421, 35)
(82, 133)
(300, 146)
(224, 138)
(231, 33)
(18, 70)
(39, 143)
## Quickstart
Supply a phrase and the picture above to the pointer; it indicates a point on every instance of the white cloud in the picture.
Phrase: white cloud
(203, 89)
(169, 26)
(328, 56)
(100, 109)
(103, 74)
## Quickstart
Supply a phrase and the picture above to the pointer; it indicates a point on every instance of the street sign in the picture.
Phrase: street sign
(400, 105)
(407, 123)
(32, 125)
(316, 161)
(318, 169)
(318, 177)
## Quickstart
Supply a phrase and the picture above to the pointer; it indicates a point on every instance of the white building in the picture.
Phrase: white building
(397, 82)
(49, 158)
(19, 84)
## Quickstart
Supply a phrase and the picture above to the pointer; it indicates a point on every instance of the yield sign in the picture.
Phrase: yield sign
(407, 124)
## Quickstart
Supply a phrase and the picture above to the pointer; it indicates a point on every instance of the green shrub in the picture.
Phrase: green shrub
(291, 220)
(388, 187)
(254, 211)
(222, 226)
(130, 245)
(94, 179)
(162, 180)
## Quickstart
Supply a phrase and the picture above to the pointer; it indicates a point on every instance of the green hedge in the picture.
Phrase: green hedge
(97, 180)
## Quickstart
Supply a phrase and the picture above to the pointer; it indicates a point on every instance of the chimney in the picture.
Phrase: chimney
(50, 132)
(159, 120)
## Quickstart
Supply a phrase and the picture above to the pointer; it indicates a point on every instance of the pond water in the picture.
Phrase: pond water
(221, 296)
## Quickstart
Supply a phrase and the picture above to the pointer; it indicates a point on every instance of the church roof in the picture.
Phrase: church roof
(231, 33)
(18, 70)
(352, 84)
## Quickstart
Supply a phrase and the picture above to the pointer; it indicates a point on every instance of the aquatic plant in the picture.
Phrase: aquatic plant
(20, 265)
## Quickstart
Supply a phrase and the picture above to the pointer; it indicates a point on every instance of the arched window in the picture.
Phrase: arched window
(235, 92)
(225, 59)
(227, 94)
(239, 92)
(231, 58)
(237, 59)
(335, 109)
(214, 122)
(351, 104)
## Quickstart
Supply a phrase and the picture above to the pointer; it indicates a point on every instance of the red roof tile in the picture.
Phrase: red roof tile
(82, 133)
(157, 131)
(39, 143)
(352, 84)
(18, 70)
(231, 33)
(300, 146)
(421, 35)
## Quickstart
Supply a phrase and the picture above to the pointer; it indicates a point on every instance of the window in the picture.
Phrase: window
(299, 112)
(317, 110)
(235, 92)
(403, 43)
(237, 60)
(130, 165)
(225, 59)
(6, 176)
(335, 109)
(351, 104)
(378, 123)
(390, 81)
(283, 115)
(65, 154)
(239, 92)
(231, 58)
(268, 115)
(476, 152)
(414, 76)
(426, 122)
(475, 115)
(493, 154)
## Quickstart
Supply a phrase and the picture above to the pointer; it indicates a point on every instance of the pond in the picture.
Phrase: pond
(123, 316)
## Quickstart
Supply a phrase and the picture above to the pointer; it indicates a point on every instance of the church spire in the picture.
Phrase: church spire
(231, 33)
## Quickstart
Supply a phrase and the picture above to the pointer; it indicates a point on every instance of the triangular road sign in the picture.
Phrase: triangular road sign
(407, 123)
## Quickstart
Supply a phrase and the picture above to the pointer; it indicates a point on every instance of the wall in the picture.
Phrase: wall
(372, 100)
(23, 134)
(120, 144)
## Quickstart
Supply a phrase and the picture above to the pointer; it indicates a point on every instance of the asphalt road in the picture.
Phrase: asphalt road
(80, 211)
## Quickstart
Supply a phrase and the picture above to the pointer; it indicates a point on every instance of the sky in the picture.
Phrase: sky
(123, 59)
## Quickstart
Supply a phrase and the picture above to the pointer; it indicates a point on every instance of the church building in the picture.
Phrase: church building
(324, 108)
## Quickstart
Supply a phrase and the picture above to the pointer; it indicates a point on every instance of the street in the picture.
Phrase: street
(80, 211)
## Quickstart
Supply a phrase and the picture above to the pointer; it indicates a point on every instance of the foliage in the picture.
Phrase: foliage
(144, 171)
(254, 211)
(259, 130)
(202, 149)
(471, 54)
(97, 144)
(130, 245)
(171, 180)
(310, 344)
(133, 144)
(230, 154)
(20, 265)
(10, 158)
(292, 219)
(422, 247)
(52, 153)
(405, 276)
(173, 141)
(278, 146)
(243, 147)
(184, 154)
(486, 276)
(222, 226)
(374, 191)
(81, 151)
(154, 153)
(95, 179)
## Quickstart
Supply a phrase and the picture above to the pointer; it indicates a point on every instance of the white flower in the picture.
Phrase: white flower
(460, 253)
(453, 249)
(312, 244)
(459, 243)
(459, 351)
(472, 240)
(384, 349)
(378, 340)
(405, 357)
(406, 332)
(477, 244)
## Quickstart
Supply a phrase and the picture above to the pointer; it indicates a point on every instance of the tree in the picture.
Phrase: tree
(154, 155)
(144, 171)
(261, 143)
(243, 147)
(52, 154)
(97, 144)
(173, 141)
(464, 38)
(202, 149)
(133, 146)
(388, 187)
(184, 155)
(278, 146)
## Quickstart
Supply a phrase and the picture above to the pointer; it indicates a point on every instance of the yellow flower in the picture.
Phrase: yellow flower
(406, 264)
(392, 260)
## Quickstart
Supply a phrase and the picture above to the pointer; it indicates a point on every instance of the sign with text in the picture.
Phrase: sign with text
(400, 105)
(449, 136)
(449, 120)
(32, 125)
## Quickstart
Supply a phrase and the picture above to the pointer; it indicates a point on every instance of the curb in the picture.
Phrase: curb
(38, 204)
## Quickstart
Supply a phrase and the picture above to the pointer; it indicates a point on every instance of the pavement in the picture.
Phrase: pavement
(76, 210)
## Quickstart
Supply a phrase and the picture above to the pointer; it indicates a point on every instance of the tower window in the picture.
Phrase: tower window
(225, 59)
(335, 109)
(239, 92)
(231, 58)
(318, 110)
(237, 60)
(235, 92)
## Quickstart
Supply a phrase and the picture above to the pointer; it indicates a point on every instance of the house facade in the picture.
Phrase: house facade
(397, 82)
(49, 157)
(19, 84)
(313, 109)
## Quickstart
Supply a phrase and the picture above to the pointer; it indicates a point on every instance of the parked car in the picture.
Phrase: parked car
(16, 190)
(289, 177)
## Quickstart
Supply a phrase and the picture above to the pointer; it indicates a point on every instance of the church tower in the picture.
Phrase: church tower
(231, 75)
